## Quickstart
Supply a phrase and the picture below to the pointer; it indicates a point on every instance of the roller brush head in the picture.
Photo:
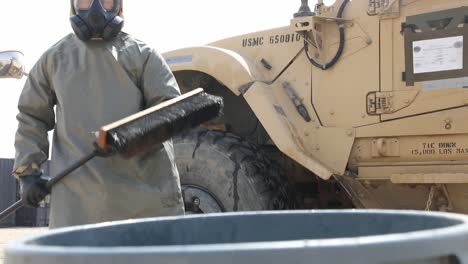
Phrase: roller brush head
(141, 131)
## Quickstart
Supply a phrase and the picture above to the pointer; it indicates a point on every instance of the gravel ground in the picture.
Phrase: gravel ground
(9, 234)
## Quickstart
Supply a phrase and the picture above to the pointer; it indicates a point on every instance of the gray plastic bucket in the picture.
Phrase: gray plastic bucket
(350, 236)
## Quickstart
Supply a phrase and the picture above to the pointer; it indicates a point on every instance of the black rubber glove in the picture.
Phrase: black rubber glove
(34, 190)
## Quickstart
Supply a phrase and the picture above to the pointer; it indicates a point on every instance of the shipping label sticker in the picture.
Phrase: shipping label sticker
(436, 55)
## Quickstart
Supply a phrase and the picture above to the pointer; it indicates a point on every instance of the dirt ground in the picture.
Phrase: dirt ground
(9, 234)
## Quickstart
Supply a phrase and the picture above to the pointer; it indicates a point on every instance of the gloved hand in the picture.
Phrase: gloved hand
(34, 189)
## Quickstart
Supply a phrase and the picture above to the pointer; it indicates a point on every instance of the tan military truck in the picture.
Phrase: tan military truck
(367, 95)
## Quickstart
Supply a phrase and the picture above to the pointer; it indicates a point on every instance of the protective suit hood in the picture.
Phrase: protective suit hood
(96, 19)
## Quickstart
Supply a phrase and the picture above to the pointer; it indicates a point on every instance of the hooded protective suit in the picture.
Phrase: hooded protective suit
(92, 84)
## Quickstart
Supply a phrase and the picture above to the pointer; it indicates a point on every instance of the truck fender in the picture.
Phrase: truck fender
(264, 104)
(228, 67)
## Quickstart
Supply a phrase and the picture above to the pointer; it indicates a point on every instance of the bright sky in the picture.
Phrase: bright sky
(33, 26)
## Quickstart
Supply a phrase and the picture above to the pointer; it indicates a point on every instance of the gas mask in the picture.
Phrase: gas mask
(96, 19)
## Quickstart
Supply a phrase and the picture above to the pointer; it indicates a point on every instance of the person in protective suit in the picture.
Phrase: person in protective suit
(94, 77)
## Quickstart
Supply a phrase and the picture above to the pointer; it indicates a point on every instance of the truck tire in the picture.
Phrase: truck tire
(221, 172)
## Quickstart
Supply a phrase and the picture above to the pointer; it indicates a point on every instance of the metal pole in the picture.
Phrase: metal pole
(70, 169)
(11, 209)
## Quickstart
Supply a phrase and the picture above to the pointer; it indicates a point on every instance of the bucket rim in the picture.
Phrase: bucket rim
(456, 235)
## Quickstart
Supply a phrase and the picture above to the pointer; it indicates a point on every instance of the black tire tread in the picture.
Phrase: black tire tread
(267, 174)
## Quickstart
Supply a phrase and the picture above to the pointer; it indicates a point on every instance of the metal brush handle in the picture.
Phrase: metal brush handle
(19, 204)
(70, 169)
(12, 209)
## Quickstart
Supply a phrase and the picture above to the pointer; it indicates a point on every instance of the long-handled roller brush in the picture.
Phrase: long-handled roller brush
(138, 132)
